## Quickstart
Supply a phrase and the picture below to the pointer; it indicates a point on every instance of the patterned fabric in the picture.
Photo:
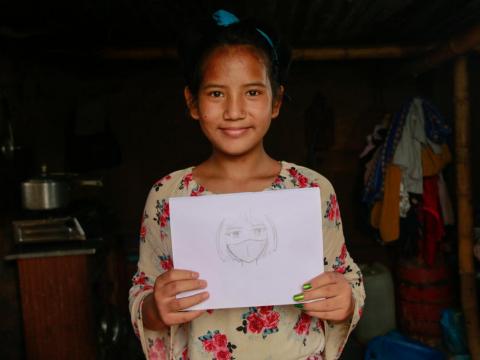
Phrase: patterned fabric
(265, 332)
(436, 129)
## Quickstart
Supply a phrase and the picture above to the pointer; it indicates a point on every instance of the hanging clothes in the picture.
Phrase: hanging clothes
(433, 228)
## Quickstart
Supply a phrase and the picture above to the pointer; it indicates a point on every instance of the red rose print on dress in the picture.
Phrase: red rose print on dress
(143, 227)
(300, 180)
(339, 265)
(184, 354)
(141, 282)
(186, 181)
(197, 190)
(302, 327)
(217, 344)
(332, 213)
(279, 182)
(262, 320)
(162, 217)
(166, 262)
(156, 349)
(160, 182)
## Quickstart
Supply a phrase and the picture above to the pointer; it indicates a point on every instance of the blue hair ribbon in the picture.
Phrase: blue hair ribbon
(225, 18)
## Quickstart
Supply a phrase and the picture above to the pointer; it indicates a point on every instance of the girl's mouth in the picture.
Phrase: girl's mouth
(234, 132)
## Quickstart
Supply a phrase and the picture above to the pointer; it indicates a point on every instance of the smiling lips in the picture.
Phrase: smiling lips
(234, 132)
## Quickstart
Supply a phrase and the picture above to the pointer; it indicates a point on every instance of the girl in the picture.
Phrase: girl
(235, 73)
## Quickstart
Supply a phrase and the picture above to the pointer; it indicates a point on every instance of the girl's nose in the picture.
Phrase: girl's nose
(234, 109)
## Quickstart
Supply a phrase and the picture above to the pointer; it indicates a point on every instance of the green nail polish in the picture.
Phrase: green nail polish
(300, 306)
(298, 297)
(307, 286)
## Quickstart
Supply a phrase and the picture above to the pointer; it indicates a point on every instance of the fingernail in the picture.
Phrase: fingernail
(298, 297)
(307, 286)
(300, 306)
(194, 274)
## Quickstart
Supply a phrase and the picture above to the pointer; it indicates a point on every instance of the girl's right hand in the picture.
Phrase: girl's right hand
(168, 286)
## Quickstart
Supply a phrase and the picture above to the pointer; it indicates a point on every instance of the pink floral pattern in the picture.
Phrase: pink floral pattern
(162, 213)
(186, 180)
(156, 349)
(272, 326)
(197, 190)
(184, 354)
(340, 264)
(332, 213)
(217, 344)
(143, 227)
(260, 320)
(166, 262)
(160, 182)
(302, 327)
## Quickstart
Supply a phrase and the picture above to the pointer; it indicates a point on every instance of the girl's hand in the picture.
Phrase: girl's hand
(164, 304)
(332, 295)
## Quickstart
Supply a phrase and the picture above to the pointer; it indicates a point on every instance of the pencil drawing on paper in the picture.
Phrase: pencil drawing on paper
(246, 238)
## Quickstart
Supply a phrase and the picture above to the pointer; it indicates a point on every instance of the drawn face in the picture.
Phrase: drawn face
(245, 239)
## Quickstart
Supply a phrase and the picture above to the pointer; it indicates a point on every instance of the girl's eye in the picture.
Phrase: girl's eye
(253, 92)
(215, 93)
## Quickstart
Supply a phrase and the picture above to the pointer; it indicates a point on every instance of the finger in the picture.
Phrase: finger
(326, 278)
(324, 305)
(176, 287)
(175, 275)
(326, 291)
(187, 301)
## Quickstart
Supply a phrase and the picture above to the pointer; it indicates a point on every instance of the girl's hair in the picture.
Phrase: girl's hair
(201, 39)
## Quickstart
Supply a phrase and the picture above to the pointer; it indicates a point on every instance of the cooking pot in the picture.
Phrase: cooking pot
(48, 192)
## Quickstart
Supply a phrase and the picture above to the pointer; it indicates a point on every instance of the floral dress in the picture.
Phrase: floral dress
(264, 332)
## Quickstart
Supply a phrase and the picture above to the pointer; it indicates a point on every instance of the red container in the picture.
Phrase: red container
(423, 292)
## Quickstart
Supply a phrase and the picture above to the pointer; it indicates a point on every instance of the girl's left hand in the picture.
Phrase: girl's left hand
(332, 295)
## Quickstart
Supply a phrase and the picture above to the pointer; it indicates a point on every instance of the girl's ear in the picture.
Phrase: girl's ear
(277, 102)
(191, 103)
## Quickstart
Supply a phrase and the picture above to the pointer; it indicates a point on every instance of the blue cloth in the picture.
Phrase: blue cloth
(224, 18)
(436, 128)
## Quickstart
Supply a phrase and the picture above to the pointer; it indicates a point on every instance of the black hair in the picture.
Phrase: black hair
(199, 40)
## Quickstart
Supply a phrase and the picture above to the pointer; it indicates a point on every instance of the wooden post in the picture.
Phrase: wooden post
(464, 204)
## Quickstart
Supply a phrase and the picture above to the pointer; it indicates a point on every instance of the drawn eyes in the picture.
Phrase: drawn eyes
(256, 232)
(235, 234)
(259, 231)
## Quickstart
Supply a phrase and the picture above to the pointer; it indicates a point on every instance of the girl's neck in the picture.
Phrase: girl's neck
(222, 173)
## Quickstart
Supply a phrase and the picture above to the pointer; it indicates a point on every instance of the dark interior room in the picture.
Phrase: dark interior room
(92, 109)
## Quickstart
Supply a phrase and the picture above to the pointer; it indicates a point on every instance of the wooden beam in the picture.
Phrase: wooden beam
(464, 206)
(456, 46)
(152, 53)
(304, 54)
(346, 53)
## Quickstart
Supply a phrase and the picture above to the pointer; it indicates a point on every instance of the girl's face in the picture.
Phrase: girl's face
(234, 104)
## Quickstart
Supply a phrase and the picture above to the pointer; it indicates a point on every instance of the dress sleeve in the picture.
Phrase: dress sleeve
(154, 259)
(338, 259)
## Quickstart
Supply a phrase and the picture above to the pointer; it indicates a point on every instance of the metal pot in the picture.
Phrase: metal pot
(51, 191)
(45, 194)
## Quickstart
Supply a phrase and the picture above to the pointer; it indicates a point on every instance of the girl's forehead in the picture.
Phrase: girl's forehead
(240, 60)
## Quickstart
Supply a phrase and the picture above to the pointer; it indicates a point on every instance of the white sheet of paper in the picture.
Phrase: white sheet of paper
(253, 249)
